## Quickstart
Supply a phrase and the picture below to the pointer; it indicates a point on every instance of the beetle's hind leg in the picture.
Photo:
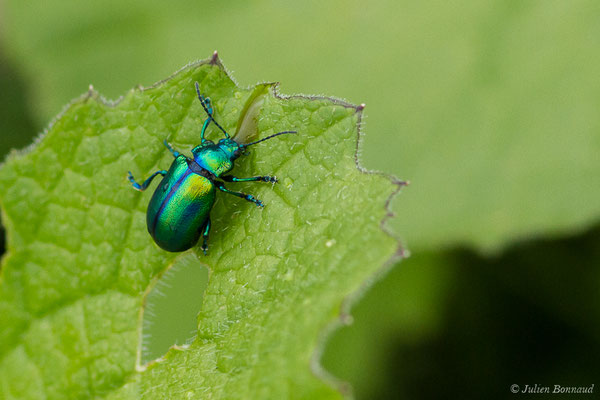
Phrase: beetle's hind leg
(205, 230)
(147, 182)
(248, 197)
(265, 178)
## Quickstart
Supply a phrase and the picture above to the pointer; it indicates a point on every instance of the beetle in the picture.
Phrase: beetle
(179, 210)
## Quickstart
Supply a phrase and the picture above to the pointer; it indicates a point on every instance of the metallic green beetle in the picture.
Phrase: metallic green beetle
(179, 211)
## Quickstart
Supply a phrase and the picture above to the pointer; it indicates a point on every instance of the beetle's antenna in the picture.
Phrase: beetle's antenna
(209, 111)
(267, 138)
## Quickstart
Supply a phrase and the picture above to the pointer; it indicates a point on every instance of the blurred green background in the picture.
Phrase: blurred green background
(489, 108)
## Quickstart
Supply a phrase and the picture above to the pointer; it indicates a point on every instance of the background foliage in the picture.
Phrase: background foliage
(489, 108)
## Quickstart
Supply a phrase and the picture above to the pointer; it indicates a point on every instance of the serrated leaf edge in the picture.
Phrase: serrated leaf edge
(344, 317)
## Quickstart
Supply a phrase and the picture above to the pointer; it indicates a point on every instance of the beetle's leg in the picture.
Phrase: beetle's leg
(205, 230)
(168, 146)
(245, 196)
(205, 101)
(206, 104)
(231, 178)
(206, 123)
(147, 182)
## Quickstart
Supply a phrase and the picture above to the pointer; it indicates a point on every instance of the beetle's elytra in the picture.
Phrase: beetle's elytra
(179, 211)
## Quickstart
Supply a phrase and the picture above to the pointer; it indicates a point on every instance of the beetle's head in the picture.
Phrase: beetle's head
(231, 148)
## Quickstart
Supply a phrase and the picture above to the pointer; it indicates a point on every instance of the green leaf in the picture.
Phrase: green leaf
(80, 262)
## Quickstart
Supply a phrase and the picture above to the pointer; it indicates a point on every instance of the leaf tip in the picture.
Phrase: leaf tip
(214, 60)
(91, 93)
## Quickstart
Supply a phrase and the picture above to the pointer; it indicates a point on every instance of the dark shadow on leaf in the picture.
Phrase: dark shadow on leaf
(526, 317)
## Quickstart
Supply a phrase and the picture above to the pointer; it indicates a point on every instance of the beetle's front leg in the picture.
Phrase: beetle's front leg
(266, 178)
(207, 105)
(147, 182)
(245, 196)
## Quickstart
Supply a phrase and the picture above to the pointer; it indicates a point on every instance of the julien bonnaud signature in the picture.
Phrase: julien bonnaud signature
(552, 389)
